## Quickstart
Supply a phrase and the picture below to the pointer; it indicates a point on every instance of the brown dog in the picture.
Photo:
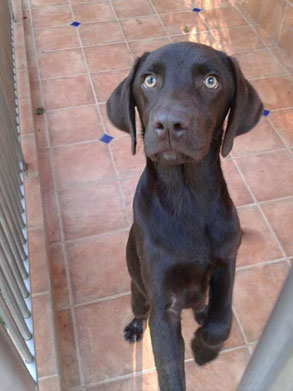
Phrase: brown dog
(184, 239)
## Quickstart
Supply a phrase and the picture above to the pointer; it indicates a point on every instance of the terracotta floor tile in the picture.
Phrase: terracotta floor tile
(259, 64)
(204, 37)
(80, 163)
(58, 275)
(51, 217)
(20, 57)
(18, 35)
(132, 8)
(28, 147)
(32, 67)
(219, 18)
(143, 27)
(189, 326)
(56, 38)
(23, 86)
(74, 125)
(280, 216)
(236, 187)
(35, 96)
(49, 384)
(67, 349)
(147, 45)
(106, 82)
(258, 244)
(25, 116)
(236, 40)
(283, 58)
(126, 164)
(38, 261)
(105, 58)
(98, 266)
(111, 129)
(261, 138)
(91, 209)
(51, 16)
(46, 177)
(128, 187)
(64, 92)
(33, 202)
(43, 3)
(276, 93)
(61, 63)
(255, 293)
(45, 350)
(223, 374)
(95, 12)
(265, 170)
(283, 120)
(181, 22)
(102, 32)
(94, 339)
(40, 130)
(172, 5)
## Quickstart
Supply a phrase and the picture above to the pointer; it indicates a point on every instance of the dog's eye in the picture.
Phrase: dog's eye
(211, 82)
(150, 81)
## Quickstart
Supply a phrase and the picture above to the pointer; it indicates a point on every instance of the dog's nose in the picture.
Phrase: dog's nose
(165, 122)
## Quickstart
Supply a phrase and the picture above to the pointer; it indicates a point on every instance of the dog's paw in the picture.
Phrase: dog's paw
(200, 315)
(134, 330)
(202, 352)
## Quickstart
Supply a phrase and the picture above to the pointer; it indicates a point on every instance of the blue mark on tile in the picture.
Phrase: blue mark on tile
(75, 24)
(106, 139)
(266, 113)
(196, 9)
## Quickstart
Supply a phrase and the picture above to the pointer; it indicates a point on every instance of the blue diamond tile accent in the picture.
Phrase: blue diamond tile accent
(266, 113)
(196, 9)
(75, 24)
(106, 139)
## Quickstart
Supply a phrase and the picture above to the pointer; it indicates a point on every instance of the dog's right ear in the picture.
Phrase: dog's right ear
(121, 104)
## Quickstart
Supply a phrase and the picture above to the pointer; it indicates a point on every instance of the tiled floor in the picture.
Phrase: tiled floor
(88, 186)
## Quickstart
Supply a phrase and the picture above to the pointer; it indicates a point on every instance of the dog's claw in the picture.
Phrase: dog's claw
(134, 330)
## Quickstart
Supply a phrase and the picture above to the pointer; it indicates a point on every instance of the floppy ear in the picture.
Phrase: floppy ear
(121, 105)
(245, 111)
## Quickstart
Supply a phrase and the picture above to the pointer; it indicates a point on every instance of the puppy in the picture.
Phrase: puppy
(183, 243)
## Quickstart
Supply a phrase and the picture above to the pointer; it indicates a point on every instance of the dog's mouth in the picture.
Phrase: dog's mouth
(171, 157)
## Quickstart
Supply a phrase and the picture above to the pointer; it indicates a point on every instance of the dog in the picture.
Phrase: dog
(183, 243)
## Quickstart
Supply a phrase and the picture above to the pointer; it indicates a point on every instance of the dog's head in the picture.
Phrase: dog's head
(183, 93)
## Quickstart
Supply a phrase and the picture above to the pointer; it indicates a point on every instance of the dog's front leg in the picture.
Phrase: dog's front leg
(210, 337)
(168, 348)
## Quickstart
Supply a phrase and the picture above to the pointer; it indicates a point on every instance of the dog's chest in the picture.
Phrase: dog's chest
(177, 230)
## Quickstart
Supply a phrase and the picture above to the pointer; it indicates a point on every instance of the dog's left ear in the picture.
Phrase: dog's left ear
(245, 110)
(121, 105)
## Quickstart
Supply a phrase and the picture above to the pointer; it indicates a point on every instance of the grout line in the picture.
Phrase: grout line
(280, 136)
(160, 19)
(240, 327)
(281, 25)
(123, 294)
(260, 209)
(260, 264)
(120, 27)
(258, 153)
(94, 301)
